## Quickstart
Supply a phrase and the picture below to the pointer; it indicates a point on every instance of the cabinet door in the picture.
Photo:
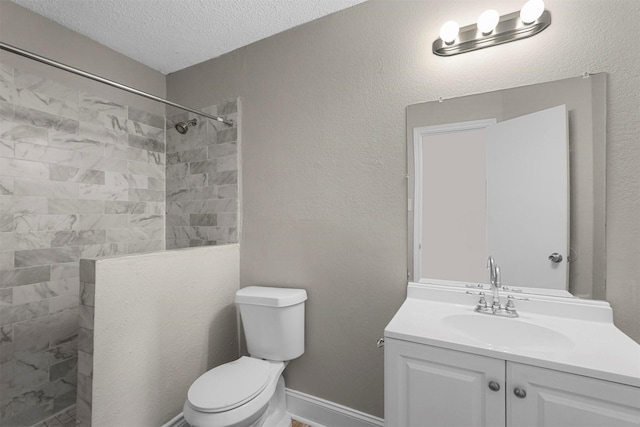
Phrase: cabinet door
(435, 387)
(558, 399)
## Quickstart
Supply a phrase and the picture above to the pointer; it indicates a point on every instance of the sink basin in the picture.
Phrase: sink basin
(506, 334)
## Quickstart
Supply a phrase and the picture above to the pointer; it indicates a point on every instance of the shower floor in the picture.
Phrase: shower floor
(66, 418)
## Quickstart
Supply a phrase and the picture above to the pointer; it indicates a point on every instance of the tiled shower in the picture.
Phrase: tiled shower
(202, 180)
(84, 177)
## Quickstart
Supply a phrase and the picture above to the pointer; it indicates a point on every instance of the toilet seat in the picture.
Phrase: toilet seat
(243, 414)
(230, 385)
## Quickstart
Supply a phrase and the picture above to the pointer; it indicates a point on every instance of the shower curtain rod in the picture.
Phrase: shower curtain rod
(56, 64)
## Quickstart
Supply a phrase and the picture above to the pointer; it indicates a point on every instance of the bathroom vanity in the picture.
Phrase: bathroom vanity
(562, 362)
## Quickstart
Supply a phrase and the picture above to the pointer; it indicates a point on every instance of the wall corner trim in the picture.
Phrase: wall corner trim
(318, 412)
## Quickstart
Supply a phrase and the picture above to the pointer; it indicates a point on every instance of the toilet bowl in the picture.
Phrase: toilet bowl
(236, 394)
(250, 391)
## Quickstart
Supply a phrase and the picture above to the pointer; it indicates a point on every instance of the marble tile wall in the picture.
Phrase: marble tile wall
(80, 177)
(202, 179)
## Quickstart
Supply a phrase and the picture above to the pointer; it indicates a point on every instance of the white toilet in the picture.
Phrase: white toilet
(249, 392)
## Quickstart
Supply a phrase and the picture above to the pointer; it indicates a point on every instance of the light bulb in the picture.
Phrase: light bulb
(531, 11)
(488, 20)
(449, 31)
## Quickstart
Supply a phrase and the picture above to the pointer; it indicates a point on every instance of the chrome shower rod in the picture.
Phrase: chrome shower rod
(56, 64)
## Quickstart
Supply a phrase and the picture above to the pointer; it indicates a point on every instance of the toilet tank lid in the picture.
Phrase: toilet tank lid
(270, 297)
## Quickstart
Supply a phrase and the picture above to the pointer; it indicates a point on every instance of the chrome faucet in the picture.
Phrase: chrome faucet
(494, 277)
(491, 266)
(508, 310)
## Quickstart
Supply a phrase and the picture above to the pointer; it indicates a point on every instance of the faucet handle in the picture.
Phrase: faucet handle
(482, 303)
(510, 308)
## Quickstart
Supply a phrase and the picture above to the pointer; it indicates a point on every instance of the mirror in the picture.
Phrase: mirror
(584, 100)
(506, 195)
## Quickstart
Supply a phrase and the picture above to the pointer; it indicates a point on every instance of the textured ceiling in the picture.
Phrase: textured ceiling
(169, 35)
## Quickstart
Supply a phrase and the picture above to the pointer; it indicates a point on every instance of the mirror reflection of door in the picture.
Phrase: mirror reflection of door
(506, 195)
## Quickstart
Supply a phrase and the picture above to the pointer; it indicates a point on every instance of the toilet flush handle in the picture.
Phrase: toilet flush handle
(380, 342)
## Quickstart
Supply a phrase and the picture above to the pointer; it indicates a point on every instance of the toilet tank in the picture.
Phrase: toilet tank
(273, 321)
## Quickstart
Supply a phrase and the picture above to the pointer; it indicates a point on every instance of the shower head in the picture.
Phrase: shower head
(183, 127)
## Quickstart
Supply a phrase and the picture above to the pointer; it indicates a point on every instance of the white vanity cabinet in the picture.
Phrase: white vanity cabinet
(553, 398)
(431, 386)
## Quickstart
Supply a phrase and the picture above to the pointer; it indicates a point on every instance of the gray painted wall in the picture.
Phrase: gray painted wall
(324, 158)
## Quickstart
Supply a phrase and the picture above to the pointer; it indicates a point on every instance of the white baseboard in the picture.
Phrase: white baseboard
(313, 411)
(177, 421)
(318, 412)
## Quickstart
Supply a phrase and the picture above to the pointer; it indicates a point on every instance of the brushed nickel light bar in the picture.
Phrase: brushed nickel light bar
(56, 64)
(492, 30)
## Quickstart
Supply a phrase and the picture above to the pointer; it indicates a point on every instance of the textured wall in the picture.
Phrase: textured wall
(163, 338)
(324, 158)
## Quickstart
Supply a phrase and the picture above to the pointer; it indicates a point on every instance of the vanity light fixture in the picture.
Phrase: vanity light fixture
(449, 32)
(531, 11)
(492, 29)
(487, 21)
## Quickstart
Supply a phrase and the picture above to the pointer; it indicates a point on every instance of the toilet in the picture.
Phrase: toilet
(249, 392)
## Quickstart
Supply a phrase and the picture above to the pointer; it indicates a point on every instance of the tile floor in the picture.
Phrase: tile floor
(67, 418)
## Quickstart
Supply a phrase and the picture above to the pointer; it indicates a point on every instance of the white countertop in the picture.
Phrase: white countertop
(594, 346)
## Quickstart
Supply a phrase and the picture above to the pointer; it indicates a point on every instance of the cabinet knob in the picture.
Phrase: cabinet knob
(520, 393)
(494, 386)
